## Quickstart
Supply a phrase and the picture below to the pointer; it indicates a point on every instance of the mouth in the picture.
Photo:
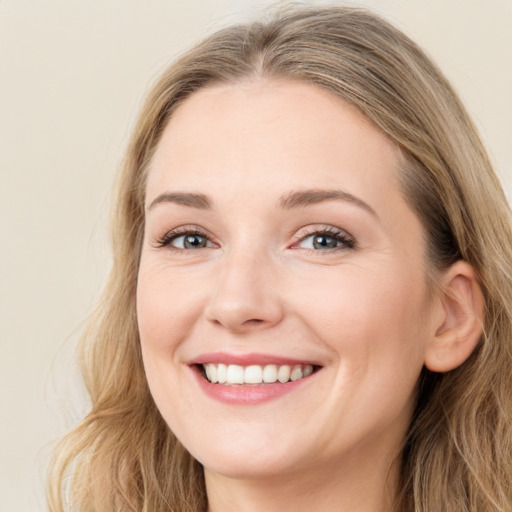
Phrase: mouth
(255, 374)
(251, 379)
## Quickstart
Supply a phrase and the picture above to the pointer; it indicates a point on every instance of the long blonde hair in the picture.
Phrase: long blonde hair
(457, 456)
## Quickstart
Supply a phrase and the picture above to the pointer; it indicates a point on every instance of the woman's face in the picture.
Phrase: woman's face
(278, 246)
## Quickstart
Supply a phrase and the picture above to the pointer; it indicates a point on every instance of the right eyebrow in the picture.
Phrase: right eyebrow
(310, 197)
(199, 201)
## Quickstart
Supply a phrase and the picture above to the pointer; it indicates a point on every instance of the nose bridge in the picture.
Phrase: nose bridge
(245, 295)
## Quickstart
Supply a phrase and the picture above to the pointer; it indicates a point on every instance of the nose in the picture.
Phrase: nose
(245, 297)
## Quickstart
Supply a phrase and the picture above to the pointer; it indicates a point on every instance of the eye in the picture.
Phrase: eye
(185, 240)
(326, 240)
(191, 241)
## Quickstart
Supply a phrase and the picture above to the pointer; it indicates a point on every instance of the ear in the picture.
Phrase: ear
(459, 325)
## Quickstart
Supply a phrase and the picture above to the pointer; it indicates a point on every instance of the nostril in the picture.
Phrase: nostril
(243, 313)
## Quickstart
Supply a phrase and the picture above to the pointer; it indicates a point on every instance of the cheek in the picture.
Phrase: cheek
(373, 324)
(167, 310)
(167, 307)
(370, 318)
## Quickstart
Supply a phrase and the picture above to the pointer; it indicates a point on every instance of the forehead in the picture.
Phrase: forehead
(272, 134)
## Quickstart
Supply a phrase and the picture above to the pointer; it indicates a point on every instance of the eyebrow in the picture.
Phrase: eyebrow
(199, 201)
(315, 196)
(289, 201)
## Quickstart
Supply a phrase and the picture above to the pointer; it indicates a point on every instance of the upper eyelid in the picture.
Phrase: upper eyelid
(187, 229)
(166, 239)
(347, 240)
(309, 230)
(298, 233)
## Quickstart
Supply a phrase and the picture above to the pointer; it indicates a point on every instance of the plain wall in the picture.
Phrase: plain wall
(73, 74)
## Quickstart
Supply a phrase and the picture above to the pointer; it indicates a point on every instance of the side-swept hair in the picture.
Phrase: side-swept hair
(457, 456)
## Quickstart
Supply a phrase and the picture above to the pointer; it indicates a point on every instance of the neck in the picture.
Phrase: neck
(356, 486)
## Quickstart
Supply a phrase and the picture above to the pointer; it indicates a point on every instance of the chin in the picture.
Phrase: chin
(246, 458)
(243, 467)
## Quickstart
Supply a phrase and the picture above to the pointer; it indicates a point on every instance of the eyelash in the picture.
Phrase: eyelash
(345, 240)
(170, 236)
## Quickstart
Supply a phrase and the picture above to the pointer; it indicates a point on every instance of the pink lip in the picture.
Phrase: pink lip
(246, 394)
(247, 359)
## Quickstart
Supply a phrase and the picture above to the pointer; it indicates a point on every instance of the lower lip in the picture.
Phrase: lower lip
(247, 394)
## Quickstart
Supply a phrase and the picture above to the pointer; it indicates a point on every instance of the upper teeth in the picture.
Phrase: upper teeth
(255, 374)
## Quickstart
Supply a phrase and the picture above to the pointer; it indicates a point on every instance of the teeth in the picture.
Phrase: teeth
(222, 373)
(308, 370)
(270, 373)
(255, 374)
(211, 372)
(235, 374)
(296, 373)
(283, 374)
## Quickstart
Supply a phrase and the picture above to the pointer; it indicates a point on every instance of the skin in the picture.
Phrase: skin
(364, 313)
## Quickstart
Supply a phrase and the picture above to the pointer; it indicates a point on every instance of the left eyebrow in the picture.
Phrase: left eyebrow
(310, 197)
(192, 200)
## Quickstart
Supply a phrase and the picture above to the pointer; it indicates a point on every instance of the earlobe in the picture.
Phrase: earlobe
(459, 327)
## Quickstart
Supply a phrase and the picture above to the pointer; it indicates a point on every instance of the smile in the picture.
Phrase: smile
(251, 379)
(236, 375)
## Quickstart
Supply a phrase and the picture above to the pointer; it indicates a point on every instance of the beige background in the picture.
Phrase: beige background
(72, 77)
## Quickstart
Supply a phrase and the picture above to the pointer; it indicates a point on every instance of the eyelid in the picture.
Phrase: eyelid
(166, 239)
(347, 240)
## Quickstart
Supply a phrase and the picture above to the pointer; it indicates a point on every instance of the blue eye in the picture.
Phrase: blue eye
(327, 240)
(185, 240)
(190, 241)
(319, 241)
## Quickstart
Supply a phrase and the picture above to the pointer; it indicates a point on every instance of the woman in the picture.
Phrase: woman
(310, 301)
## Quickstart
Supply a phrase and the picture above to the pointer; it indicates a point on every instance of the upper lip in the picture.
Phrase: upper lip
(248, 359)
